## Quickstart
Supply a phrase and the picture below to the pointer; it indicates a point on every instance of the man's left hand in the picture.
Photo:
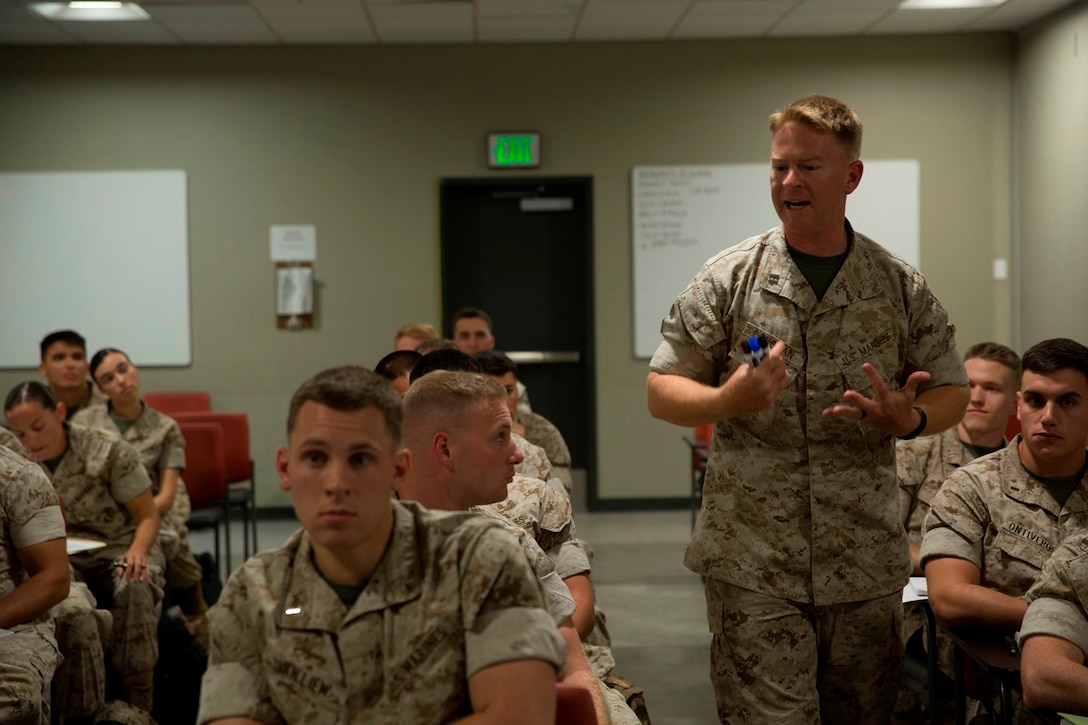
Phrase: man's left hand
(890, 411)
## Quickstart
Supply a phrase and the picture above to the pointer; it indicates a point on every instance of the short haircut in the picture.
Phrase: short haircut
(416, 331)
(397, 364)
(823, 113)
(471, 312)
(496, 363)
(69, 336)
(433, 345)
(443, 360)
(1060, 353)
(29, 392)
(349, 388)
(448, 394)
(998, 353)
(99, 356)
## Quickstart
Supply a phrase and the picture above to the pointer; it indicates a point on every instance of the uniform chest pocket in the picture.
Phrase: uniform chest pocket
(766, 422)
(881, 353)
(1018, 558)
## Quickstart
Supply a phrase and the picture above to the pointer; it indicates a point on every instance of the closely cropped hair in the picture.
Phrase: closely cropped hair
(397, 364)
(443, 360)
(433, 345)
(416, 331)
(823, 113)
(445, 393)
(1059, 353)
(29, 392)
(101, 355)
(496, 363)
(998, 353)
(69, 336)
(349, 388)
(471, 312)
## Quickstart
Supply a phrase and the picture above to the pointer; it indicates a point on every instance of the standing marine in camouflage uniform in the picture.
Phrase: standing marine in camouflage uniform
(799, 534)
(158, 441)
(997, 520)
(107, 497)
(33, 577)
(376, 611)
(1054, 633)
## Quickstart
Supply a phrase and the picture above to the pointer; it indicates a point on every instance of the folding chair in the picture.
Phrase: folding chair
(206, 481)
(177, 402)
(239, 467)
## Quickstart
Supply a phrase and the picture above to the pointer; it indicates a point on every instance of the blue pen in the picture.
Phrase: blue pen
(756, 349)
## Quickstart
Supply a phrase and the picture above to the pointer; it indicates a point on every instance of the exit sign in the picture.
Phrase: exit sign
(513, 150)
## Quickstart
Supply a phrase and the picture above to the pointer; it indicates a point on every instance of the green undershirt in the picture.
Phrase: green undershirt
(819, 271)
(1060, 488)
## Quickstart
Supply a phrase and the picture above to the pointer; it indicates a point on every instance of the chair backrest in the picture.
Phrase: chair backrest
(1012, 427)
(235, 437)
(176, 402)
(205, 463)
(573, 705)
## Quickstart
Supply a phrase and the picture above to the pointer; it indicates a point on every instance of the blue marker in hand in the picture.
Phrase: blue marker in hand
(755, 349)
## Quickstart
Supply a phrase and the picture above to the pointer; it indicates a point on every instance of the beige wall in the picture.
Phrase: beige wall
(355, 140)
(1052, 78)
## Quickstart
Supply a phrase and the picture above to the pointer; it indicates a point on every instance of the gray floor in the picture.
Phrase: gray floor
(653, 604)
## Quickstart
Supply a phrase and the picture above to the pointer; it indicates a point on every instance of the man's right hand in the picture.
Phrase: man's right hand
(751, 390)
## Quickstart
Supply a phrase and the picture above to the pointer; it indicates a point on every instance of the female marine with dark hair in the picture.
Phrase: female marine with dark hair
(161, 447)
(107, 497)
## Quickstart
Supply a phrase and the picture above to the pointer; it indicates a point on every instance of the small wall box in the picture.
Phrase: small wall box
(513, 150)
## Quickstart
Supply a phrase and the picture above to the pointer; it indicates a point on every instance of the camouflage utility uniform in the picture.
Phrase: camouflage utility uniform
(1058, 602)
(91, 397)
(29, 515)
(546, 515)
(999, 517)
(540, 431)
(799, 526)
(452, 595)
(8, 440)
(95, 477)
(160, 445)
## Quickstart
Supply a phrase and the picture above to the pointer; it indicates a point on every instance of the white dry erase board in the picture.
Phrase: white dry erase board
(684, 215)
(103, 253)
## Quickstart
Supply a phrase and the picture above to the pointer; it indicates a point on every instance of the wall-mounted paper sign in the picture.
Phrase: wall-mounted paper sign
(295, 290)
(293, 243)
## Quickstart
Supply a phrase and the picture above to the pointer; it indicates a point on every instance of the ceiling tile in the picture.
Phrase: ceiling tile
(810, 6)
(605, 20)
(137, 32)
(927, 21)
(32, 32)
(423, 22)
(731, 19)
(533, 8)
(521, 30)
(800, 23)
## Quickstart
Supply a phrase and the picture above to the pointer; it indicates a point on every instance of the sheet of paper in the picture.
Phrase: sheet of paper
(294, 291)
(76, 544)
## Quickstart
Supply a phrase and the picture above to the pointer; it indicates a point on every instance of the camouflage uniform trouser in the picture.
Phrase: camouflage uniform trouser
(777, 661)
(134, 644)
(79, 684)
(28, 658)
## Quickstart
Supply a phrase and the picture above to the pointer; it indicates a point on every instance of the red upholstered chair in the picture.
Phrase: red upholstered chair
(1012, 427)
(573, 705)
(177, 402)
(239, 467)
(206, 482)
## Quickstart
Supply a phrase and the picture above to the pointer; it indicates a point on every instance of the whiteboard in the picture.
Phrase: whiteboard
(684, 215)
(103, 253)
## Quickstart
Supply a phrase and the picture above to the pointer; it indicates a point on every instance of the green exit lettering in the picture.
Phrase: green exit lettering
(513, 150)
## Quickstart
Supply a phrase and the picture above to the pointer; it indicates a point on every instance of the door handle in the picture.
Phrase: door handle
(536, 357)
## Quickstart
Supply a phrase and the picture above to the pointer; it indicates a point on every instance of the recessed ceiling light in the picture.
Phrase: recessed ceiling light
(948, 4)
(91, 10)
